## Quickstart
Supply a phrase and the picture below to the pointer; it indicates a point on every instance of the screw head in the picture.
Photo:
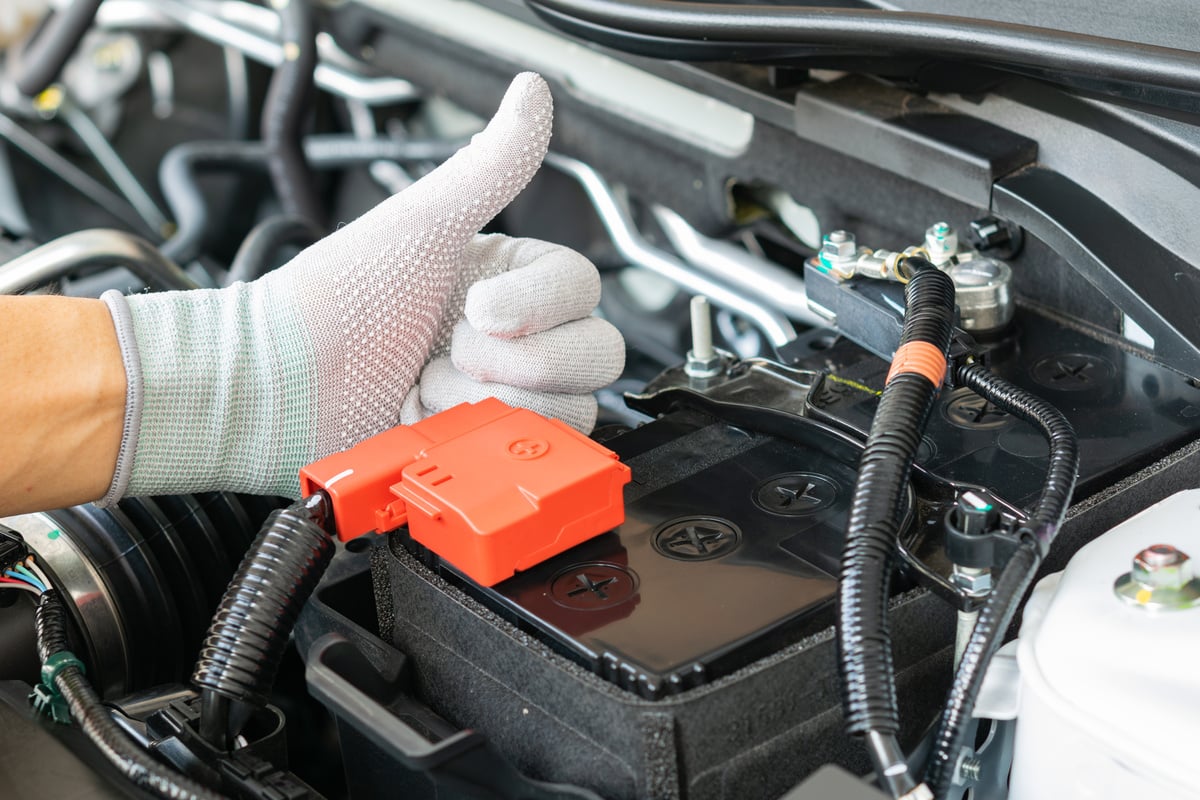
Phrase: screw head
(1162, 579)
(838, 247)
(1162, 566)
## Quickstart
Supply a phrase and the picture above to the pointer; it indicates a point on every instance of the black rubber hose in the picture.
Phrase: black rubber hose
(94, 719)
(733, 31)
(864, 642)
(66, 171)
(1047, 513)
(1001, 607)
(45, 56)
(285, 109)
(263, 243)
(178, 169)
(241, 654)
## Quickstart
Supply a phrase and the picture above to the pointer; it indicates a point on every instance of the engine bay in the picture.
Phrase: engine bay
(909, 298)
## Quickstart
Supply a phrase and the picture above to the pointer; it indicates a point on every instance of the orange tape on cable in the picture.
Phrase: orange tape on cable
(921, 358)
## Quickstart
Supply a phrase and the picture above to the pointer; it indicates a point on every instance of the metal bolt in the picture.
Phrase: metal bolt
(703, 361)
(970, 769)
(1162, 566)
(974, 582)
(839, 247)
(1162, 579)
(941, 241)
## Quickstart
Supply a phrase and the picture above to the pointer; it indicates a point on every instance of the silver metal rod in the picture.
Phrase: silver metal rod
(630, 244)
(249, 30)
(114, 166)
(890, 766)
(765, 280)
(96, 247)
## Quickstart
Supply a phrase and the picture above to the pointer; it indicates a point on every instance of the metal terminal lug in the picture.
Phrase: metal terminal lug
(941, 243)
(1162, 579)
(983, 291)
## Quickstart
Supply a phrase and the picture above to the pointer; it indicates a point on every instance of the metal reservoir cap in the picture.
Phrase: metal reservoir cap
(983, 291)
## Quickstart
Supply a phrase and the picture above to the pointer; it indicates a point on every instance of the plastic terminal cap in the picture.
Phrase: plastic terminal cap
(489, 488)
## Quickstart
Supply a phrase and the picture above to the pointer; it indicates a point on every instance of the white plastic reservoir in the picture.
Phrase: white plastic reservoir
(1110, 690)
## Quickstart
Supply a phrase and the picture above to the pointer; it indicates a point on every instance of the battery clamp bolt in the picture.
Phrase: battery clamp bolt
(1162, 578)
(703, 360)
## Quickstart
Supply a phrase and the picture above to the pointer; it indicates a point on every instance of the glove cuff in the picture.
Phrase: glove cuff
(123, 323)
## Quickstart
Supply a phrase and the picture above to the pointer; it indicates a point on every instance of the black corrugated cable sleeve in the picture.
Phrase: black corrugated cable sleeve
(285, 109)
(250, 629)
(94, 719)
(994, 618)
(45, 56)
(864, 643)
(1047, 513)
(997, 614)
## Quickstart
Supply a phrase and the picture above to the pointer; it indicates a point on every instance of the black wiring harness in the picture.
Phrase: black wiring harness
(1035, 538)
(864, 643)
(691, 31)
(65, 672)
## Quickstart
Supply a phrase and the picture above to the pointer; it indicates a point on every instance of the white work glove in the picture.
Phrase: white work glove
(238, 388)
(523, 335)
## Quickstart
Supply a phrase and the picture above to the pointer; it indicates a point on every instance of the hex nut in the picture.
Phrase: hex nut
(1162, 566)
(839, 247)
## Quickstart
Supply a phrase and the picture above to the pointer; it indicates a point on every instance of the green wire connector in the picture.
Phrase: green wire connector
(46, 698)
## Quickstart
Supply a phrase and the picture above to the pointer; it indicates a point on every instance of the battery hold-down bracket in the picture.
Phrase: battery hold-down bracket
(489, 488)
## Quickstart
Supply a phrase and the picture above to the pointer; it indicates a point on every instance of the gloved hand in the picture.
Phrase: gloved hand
(523, 335)
(237, 388)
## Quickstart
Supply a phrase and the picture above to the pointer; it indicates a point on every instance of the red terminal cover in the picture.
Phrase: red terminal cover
(490, 488)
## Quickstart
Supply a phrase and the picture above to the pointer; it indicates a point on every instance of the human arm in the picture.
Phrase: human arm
(62, 402)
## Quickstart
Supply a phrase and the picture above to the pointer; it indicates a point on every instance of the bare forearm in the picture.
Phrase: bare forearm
(62, 402)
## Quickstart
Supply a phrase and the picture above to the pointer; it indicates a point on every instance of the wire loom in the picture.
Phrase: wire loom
(864, 643)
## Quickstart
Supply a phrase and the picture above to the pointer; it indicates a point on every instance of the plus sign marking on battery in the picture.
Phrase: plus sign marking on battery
(697, 538)
(789, 496)
(586, 584)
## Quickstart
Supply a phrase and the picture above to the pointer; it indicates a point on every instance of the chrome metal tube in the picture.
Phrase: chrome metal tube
(253, 31)
(99, 246)
(742, 270)
(629, 243)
